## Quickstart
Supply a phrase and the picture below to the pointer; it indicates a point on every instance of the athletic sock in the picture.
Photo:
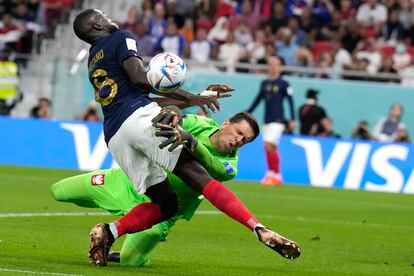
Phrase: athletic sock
(227, 202)
(141, 217)
(272, 158)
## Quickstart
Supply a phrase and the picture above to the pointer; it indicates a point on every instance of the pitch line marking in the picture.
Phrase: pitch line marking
(213, 212)
(35, 272)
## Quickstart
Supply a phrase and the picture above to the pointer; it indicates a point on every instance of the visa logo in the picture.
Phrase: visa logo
(351, 164)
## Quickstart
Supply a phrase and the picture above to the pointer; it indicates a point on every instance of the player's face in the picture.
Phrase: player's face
(234, 136)
(275, 65)
(106, 22)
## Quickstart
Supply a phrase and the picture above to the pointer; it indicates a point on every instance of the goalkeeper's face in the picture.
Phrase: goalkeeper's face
(233, 136)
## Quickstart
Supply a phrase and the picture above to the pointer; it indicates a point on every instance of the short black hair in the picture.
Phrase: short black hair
(249, 118)
(80, 23)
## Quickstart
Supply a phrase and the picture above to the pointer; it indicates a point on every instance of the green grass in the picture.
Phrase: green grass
(341, 233)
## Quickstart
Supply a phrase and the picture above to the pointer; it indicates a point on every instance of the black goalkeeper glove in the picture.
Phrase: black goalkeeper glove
(169, 115)
(175, 136)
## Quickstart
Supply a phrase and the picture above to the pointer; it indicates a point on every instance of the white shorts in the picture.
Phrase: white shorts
(136, 149)
(272, 132)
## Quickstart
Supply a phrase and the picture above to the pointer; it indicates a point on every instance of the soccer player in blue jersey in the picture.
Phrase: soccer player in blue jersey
(121, 87)
(274, 90)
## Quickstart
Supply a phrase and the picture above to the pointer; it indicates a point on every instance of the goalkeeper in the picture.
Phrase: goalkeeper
(214, 145)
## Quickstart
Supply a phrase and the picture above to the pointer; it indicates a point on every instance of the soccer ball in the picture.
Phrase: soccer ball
(166, 72)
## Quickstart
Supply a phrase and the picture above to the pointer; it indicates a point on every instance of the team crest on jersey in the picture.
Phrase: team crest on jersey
(228, 167)
(272, 88)
(98, 179)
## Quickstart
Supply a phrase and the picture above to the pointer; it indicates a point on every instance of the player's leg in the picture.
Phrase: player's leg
(271, 136)
(191, 172)
(74, 190)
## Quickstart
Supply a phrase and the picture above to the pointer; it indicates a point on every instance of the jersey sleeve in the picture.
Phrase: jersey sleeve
(126, 47)
(218, 168)
(289, 94)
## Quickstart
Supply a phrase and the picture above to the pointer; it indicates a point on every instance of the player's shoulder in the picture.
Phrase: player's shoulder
(199, 120)
(123, 34)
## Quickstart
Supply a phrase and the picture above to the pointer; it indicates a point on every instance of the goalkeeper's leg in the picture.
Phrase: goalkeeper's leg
(74, 190)
(137, 248)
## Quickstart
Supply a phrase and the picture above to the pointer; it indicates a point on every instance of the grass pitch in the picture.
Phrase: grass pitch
(341, 233)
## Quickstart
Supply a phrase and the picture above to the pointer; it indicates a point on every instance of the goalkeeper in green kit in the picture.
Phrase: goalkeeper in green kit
(213, 145)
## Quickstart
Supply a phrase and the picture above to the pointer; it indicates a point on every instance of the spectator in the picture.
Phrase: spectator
(327, 129)
(219, 33)
(387, 66)
(10, 34)
(286, 49)
(351, 37)
(42, 109)
(144, 40)
(299, 37)
(242, 35)
(362, 131)
(91, 113)
(322, 11)
(406, 14)
(247, 17)
(372, 15)
(402, 136)
(386, 128)
(158, 24)
(147, 11)
(7, 105)
(172, 41)
(201, 47)
(347, 11)
(172, 14)
(401, 57)
(274, 90)
(132, 19)
(311, 114)
(256, 50)
(304, 59)
(230, 52)
(393, 29)
(368, 49)
(342, 58)
(187, 31)
(278, 18)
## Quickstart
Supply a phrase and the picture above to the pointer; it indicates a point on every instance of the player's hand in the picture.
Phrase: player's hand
(292, 124)
(169, 115)
(205, 102)
(175, 136)
(218, 91)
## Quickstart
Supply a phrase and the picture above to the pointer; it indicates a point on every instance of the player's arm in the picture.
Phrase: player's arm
(217, 91)
(256, 100)
(135, 69)
(217, 169)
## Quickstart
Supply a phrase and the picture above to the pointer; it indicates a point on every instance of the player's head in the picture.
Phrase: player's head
(235, 132)
(396, 111)
(275, 66)
(92, 24)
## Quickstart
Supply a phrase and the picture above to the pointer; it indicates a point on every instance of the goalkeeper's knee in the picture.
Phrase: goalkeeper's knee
(57, 191)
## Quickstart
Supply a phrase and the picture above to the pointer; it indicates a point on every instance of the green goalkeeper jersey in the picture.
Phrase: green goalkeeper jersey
(221, 166)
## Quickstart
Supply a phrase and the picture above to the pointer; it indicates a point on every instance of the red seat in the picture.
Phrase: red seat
(320, 47)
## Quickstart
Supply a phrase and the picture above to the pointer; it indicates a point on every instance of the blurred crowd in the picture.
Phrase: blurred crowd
(23, 23)
(367, 37)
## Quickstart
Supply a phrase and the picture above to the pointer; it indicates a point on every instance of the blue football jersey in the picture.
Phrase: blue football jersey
(273, 92)
(118, 96)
